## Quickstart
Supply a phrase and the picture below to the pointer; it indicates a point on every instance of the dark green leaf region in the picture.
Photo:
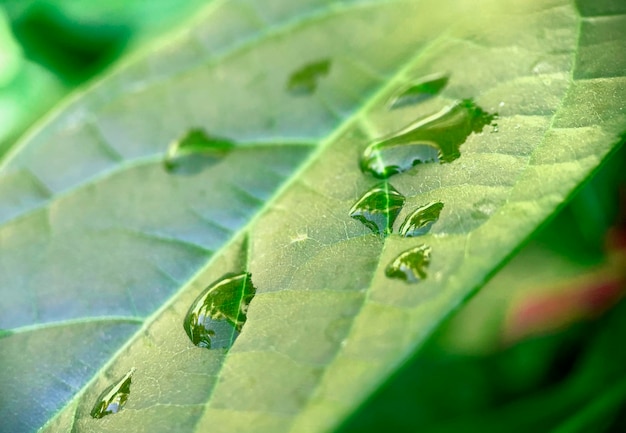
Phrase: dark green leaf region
(411, 265)
(114, 398)
(434, 139)
(218, 314)
(304, 80)
(378, 208)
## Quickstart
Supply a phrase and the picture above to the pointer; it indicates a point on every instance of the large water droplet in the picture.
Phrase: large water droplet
(419, 91)
(217, 315)
(196, 149)
(436, 138)
(378, 208)
(410, 265)
(421, 220)
(114, 398)
(304, 80)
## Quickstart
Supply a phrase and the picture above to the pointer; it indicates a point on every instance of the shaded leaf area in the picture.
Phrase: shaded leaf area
(326, 326)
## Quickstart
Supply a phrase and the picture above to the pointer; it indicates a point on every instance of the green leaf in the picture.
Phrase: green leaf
(104, 250)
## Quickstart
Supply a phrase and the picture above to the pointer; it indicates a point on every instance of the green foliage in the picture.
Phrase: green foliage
(104, 246)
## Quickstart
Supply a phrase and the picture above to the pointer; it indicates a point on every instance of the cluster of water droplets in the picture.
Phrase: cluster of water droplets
(434, 139)
(217, 315)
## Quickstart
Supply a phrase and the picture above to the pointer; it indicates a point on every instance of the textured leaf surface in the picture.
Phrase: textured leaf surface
(102, 250)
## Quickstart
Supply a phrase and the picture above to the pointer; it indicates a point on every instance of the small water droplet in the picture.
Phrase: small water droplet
(378, 208)
(436, 138)
(410, 265)
(114, 398)
(304, 80)
(419, 91)
(218, 314)
(421, 220)
(195, 149)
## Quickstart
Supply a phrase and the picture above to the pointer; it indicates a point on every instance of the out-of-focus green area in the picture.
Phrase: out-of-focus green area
(49, 47)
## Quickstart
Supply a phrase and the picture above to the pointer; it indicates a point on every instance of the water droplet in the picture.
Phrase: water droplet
(421, 220)
(218, 314)
(114, 398)
(419, 91)
(304, 80)
(411, 265)
(195, 149)
(378, 208)
(436, 138)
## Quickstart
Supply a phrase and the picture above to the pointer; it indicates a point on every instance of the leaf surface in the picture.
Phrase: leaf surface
(104, 250)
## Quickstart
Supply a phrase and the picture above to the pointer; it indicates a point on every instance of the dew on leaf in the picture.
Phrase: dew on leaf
(114, 398)
(218, 314)
(419, 91)
(411, 265)
(378, 208)
(421, 220)
(437, 138)
(304, 80)
(195, 149)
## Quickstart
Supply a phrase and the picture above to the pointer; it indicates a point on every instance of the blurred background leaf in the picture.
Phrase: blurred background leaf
(49, 47)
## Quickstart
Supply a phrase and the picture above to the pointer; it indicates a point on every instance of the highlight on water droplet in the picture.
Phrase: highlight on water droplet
(419, 91)
(304, 80)
(421, 220)
(411, 265)
(378, 208)
(194, 144)
(437, 138)
(114, 398)
(218, 314)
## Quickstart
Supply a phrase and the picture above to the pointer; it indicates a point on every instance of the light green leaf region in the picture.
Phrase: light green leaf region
(103, 250)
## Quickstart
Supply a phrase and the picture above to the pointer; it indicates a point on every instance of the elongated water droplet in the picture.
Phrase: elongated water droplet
(436, 138)
(410, 265)
(304, 80)
(218, 314)
(114, 398)
(421, 220)
(419, 91)
(378, 208)
(196, 143)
